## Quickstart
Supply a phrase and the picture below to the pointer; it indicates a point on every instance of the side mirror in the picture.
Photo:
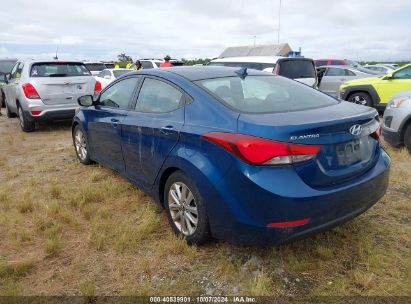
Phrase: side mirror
(85, 101)
(6, 78)
(388, 77)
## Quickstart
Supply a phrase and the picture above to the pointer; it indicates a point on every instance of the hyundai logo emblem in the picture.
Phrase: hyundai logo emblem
(356, 130)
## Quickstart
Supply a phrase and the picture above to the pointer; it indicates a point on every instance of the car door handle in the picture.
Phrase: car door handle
(114, 122)
(167, 129)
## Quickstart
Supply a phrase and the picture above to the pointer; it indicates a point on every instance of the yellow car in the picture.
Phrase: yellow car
(377, 91)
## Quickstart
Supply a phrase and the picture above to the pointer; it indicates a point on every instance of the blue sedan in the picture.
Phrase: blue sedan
(235, 154)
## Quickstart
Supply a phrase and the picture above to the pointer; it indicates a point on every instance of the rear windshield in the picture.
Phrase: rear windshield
(95, 66)
(296, 69)
(265, 94)
(118, 73)
(248, 65)
(58, 69)
(6, 66)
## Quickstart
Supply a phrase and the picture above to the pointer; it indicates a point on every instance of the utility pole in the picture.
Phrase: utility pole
(279, 23)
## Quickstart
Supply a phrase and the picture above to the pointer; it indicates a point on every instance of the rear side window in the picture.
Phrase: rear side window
(296, 69)
(335, 72)
(54, 69)
(158, 97)
(265, 94)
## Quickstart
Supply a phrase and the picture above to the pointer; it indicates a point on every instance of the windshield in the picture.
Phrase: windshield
(58, 69)
(296, 69)
(118, 73)
(6, 66)
(95, 66)
(265, 94)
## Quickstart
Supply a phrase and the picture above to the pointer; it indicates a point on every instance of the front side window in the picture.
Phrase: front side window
(58, 69)
(265, 94)
(158, 97)
(405, 73)
(119, 94)
(13, 71)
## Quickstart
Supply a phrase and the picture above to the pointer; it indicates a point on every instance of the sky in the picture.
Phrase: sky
(365, 30)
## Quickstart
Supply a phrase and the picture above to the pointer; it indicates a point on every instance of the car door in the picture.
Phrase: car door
(104, 127)
(388, 87)
(332, 79)
(151, 131)
(12, 85)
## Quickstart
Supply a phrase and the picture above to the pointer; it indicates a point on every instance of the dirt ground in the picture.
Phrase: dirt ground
(69, 229)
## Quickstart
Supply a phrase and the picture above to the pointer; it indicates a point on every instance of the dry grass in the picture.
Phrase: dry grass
(70, 229)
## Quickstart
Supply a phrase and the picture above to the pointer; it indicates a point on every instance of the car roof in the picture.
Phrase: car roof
(257, 59)
(194, 73)
(119, 69)
(34, 60)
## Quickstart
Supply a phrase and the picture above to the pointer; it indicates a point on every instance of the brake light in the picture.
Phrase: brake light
(377, 134)
(261, 151)
(97, 87)
(30, 91)
(276, 70)
(35, 113)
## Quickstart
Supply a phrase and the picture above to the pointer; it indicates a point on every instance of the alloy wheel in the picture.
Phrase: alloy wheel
(80, 144)
(21, 119)
(183, 208)
(359, 100)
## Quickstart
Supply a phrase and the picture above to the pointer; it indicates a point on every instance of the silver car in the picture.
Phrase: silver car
(396, 128)
(330, 77)
(46, 90)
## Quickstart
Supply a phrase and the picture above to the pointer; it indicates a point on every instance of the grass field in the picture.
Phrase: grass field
(68, 229)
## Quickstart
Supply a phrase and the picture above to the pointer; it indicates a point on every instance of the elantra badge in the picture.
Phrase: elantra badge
(356, 130)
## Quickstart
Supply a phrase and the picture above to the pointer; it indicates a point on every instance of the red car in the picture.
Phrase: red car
(322, 62)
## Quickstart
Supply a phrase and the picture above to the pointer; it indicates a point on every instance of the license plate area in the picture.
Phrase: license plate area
(349, 153)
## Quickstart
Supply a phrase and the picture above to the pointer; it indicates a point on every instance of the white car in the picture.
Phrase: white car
(300, 69)
(155, 63)
(108, 75)
(380, 68)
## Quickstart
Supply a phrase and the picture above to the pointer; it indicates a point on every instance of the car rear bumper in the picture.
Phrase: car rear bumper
(247, 208)
(51, 112)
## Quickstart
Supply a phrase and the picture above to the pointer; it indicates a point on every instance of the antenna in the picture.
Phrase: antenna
(57, 49)
(279, 23)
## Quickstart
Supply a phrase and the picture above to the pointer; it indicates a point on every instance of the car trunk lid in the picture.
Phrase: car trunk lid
(344, 154)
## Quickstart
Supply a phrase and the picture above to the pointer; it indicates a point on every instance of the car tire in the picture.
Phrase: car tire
(26, 124)
(186, 209)
(361, 98)
(407, 138)
(80, 143)
(9, 113)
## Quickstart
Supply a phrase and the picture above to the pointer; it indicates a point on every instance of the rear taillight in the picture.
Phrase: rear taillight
(30, 91)
(276, 70)
(377, 134)
(261, 151)
(97, 87)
